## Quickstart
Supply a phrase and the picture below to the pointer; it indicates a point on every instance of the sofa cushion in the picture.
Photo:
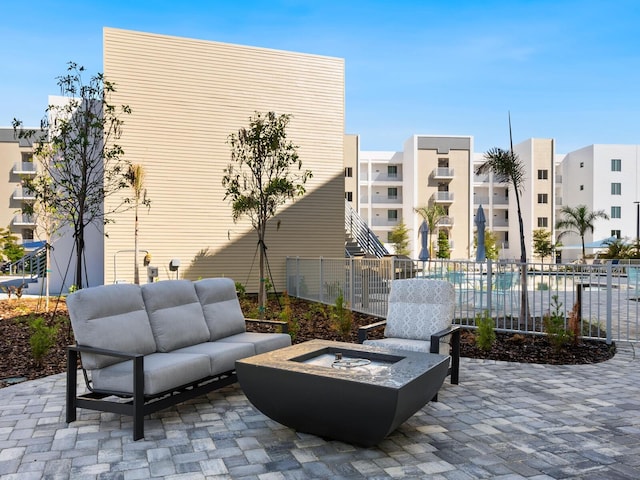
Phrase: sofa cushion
(221, 307)
(223, 355)
(175, 314)
(111, 317)
(261, 342)
(162, 372)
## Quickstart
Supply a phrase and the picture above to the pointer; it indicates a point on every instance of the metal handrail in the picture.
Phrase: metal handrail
(358, 229)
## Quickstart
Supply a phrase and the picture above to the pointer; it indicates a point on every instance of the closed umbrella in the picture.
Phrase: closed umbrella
(424, 242)
(480, 222)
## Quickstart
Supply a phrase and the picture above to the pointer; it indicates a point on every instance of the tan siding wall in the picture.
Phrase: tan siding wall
(187, 97)
(351, 161)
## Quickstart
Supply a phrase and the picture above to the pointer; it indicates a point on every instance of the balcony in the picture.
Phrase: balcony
(383, 199)
(480, 200)
(499, 200)
(445, 222)
(481, 178)
(442, 173)
(23, 194)
(443, 197)
(24, 168)
(24, 221)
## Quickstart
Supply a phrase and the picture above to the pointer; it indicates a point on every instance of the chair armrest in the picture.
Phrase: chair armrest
(364, 330)
(103, 351)
(284, 326)
(447, 331)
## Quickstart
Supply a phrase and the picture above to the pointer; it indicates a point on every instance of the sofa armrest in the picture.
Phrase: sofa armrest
(284, 326)
(103, 351)
(364, 330)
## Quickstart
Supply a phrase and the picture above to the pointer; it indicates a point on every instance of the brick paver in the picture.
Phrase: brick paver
(504, 421)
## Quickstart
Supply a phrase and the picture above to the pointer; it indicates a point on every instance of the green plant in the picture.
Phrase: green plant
(342, 316)
(485, 333)
(240, 290)
(42, 339)
(543, 286)
(73, 288)
(554, 325)
(286, 315)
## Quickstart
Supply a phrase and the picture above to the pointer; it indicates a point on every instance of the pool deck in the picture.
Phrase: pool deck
(503, 421)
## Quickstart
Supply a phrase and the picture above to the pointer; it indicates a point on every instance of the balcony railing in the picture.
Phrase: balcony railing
(478, 200)
(23, 194)
(442, 172)
(443, 197)
(446, 222)
(24, 220)
(24, 168)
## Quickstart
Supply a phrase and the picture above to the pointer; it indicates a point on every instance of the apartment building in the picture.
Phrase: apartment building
(434, 169)
(603, 177)
(16, 158)
(187, 96)
(430, 170)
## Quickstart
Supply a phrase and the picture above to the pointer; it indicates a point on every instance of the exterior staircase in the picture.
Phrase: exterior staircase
(26, 272)
(359, 239)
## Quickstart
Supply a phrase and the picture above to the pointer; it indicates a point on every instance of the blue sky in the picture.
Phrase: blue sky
(568, 70)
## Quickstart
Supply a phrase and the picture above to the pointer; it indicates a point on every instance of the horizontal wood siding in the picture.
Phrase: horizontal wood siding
(187, 97)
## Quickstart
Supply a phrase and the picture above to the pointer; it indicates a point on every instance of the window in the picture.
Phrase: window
(392, 171)
(392, 215)
(389, 237)
(543, 222)
(27, 234)
(581, 187)
(616, 165)
(392, 193)
(616, 233)
(348, 172)
(616, 212)
(348, 196)
(616, 188)
(543, 174)
(543, 198)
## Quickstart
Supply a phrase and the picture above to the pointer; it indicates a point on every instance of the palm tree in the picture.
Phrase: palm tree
(507, 167)
(579, 220)
(432, 214)
(135, 177)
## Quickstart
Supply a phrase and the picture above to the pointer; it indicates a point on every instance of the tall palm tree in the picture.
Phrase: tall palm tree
(579, 220)
(135, 177)
(507, 167)
(432, 214)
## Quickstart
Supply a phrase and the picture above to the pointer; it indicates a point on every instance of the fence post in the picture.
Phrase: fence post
(489, 283)
(609, 302)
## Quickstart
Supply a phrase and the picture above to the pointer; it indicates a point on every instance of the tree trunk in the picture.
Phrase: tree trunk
(136, 268)
(262, 294)
(79, 252)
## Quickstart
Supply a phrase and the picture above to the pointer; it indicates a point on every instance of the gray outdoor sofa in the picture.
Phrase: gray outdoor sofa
(145, 348)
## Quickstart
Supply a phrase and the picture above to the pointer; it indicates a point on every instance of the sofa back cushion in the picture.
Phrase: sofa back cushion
(221, 307)
(418, 308)
(112, 317)
(175, 314)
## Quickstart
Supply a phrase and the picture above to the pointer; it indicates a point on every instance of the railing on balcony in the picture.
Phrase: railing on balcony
(446, 222)
(443, 197)
(24, 220)
(499, 200)
(481, 178)
(386, 199)
(23, 194)
(442, 172)
(360, 232)
(24, 168)
(478, 200)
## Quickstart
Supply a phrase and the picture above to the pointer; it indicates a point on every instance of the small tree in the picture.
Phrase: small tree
(432, 214)
(135, 177)
(579, 220)
(87, 165)
(399, 238)
(260, 179)
(443, 245)
(11, 250)
(542, 244)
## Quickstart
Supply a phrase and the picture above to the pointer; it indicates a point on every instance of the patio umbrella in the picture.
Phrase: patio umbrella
(480, 222)
(424, 242)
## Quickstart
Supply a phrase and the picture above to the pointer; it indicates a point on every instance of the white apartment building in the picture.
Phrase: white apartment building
(603, 177)
(441, 169)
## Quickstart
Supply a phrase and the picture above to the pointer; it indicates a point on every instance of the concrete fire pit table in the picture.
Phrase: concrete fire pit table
(343, 391)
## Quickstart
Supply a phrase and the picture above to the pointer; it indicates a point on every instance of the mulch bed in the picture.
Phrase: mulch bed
(314, 321)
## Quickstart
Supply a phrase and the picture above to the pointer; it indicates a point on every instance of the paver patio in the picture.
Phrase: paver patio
(504, 421)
